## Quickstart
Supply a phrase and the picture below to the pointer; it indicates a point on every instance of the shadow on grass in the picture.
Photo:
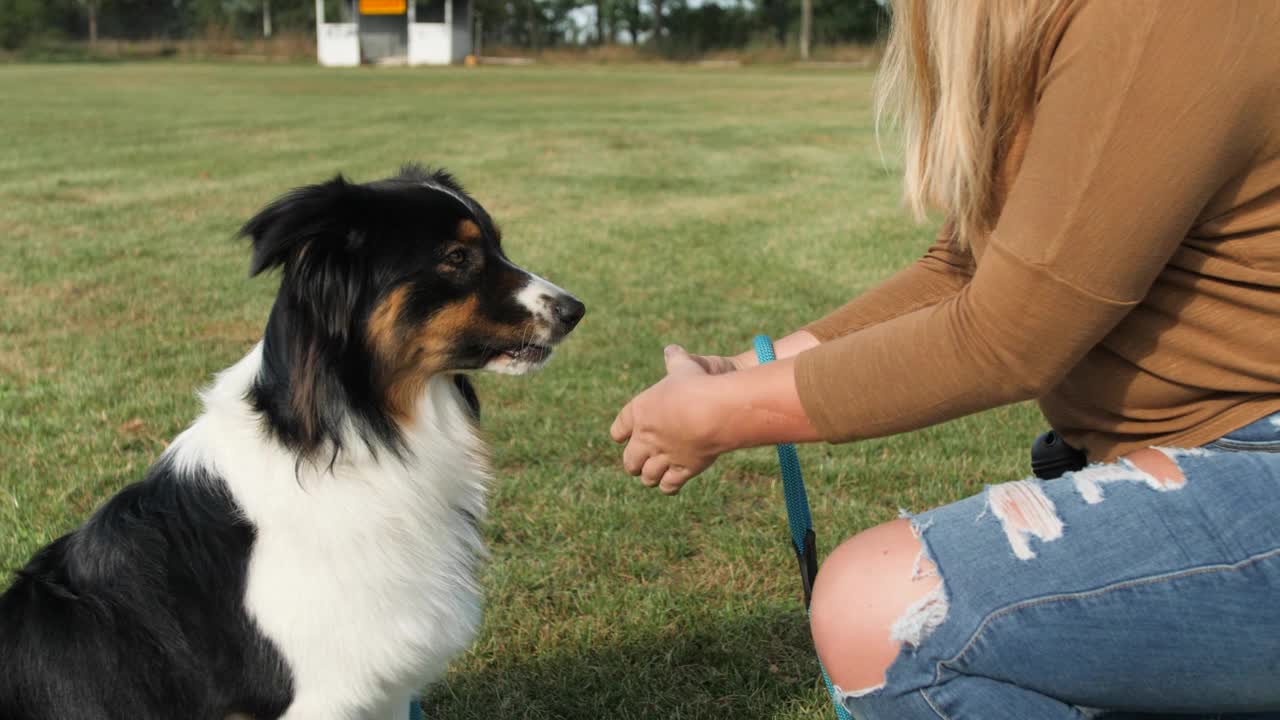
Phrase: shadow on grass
(757, 667)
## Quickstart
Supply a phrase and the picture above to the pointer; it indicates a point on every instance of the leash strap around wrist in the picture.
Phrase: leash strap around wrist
(803, 540)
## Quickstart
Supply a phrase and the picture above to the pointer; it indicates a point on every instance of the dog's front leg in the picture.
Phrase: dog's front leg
(399, 709)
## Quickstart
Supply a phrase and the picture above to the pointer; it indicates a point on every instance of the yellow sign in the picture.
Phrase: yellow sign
(383, 7)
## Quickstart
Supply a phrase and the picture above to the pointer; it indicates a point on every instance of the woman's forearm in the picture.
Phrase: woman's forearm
(761, 406)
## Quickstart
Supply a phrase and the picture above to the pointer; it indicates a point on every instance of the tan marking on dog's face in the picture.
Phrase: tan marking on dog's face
(408, 356)
(469, 232)
(382, 323)
(437, 336)
(411, 358)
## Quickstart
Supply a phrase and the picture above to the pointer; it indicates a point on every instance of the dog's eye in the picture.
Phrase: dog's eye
(456, 257)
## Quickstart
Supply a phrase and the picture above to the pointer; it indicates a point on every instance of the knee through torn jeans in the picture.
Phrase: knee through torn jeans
(1105, 593)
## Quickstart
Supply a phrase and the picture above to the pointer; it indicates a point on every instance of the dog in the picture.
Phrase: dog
(307, 549)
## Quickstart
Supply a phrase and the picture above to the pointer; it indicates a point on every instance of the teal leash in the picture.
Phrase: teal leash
(803, 540)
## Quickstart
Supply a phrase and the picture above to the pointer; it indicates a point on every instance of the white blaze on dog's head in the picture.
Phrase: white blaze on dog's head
(553, 312)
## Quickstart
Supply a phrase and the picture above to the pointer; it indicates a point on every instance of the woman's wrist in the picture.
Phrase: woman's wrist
(759, 406)
(786, 347)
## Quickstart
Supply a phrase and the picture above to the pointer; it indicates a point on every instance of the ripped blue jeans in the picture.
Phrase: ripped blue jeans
(1106, 593)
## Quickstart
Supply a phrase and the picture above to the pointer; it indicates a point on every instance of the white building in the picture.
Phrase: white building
(414, 32)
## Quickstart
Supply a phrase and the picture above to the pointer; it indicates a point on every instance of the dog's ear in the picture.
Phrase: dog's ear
(285, 229)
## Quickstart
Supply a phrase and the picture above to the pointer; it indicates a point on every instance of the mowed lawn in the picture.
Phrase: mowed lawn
(685, 205)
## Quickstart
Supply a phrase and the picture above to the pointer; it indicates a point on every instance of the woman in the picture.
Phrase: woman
(1111, 175)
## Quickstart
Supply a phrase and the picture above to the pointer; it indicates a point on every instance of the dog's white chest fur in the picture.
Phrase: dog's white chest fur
(362, 574)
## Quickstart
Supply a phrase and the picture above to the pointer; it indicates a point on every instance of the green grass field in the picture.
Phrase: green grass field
(682, 205)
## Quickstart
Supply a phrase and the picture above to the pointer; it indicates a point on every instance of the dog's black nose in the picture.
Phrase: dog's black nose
(568, 311)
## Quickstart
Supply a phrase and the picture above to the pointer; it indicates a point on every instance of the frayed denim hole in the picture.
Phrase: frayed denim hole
(913, 628)
(846, 697)
(1025, 511)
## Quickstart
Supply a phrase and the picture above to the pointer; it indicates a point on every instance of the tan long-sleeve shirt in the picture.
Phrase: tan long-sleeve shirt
(1132, 281)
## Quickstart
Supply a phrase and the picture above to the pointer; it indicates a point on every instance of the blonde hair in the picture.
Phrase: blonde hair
(958, 79)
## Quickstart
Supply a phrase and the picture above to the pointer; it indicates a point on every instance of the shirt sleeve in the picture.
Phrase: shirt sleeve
(937, 275)
(1140, 118)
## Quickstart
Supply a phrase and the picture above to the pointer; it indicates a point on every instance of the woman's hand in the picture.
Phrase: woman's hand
(671, 428)
(788, 346)
(679, 426)
(717, 364)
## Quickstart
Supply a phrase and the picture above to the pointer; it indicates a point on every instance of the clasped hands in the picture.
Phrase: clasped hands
(708, 405)
(674, 430)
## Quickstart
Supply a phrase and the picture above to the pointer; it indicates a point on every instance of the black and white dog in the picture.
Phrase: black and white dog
(307, 549)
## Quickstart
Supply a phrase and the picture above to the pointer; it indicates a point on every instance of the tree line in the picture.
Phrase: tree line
(666, 26)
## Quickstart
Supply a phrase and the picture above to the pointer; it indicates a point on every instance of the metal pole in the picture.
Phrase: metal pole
(448, 27)
(319, 25)
(806, 27)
